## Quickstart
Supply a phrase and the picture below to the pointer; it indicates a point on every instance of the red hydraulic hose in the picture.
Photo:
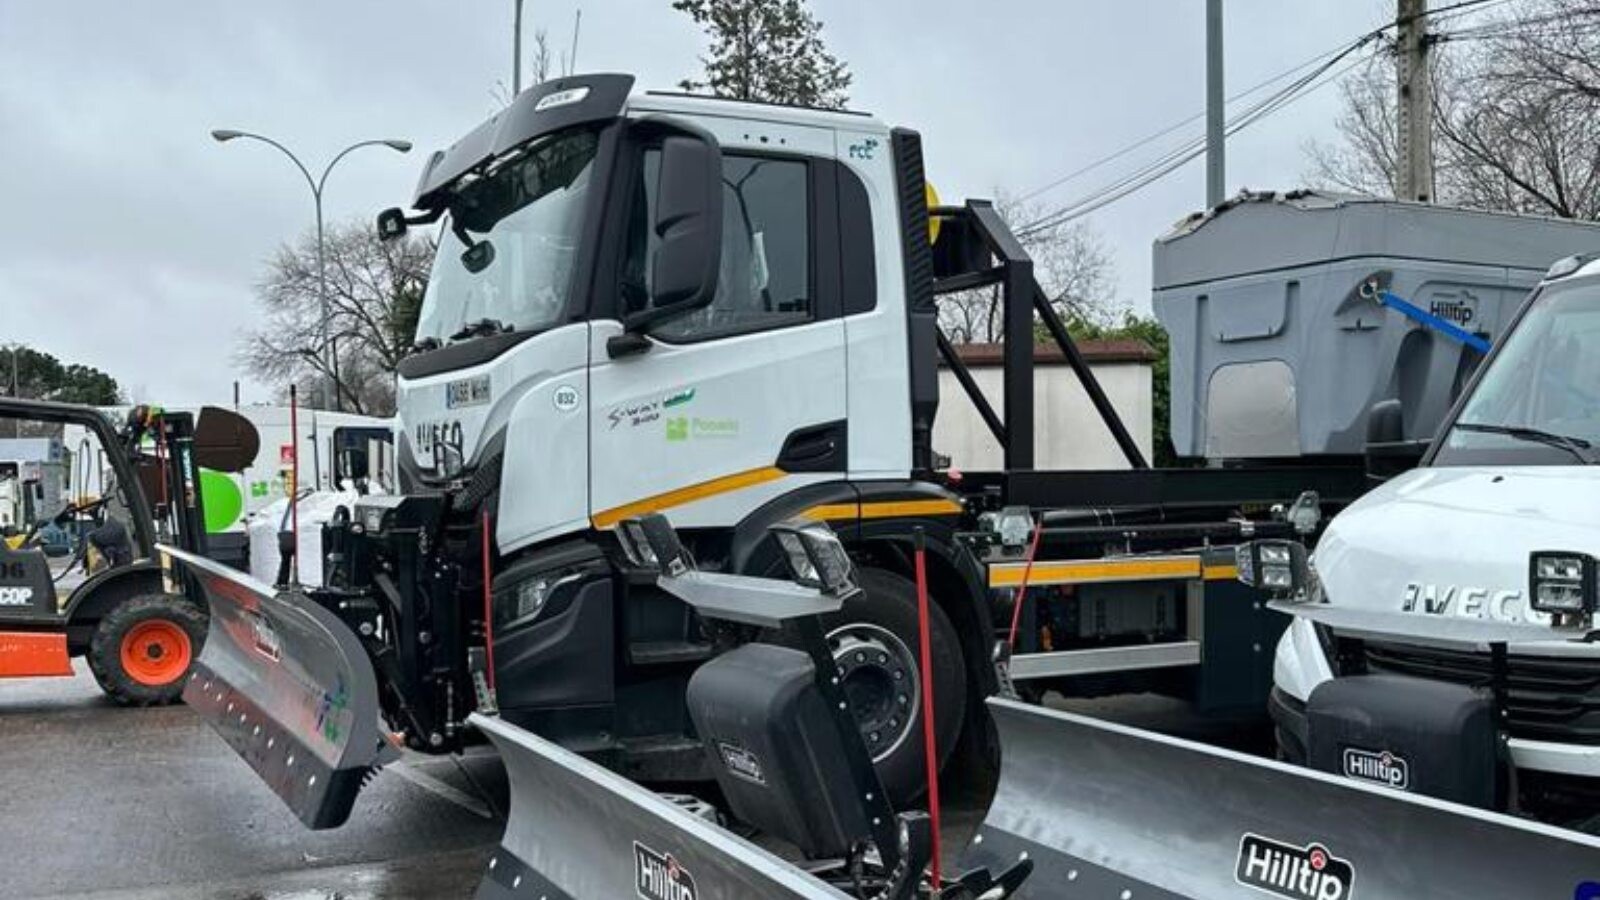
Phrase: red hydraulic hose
(1022, 590)
(930, 745)
(488, 606)
(294, 487)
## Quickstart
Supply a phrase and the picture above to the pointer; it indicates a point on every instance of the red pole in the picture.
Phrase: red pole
(930, 745)
(294, 477)
(488, 604)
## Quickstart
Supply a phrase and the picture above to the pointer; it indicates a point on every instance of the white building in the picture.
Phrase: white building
(1068, 433)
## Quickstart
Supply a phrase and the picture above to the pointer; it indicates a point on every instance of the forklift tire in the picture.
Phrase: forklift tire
(876, 642)
(142, 649)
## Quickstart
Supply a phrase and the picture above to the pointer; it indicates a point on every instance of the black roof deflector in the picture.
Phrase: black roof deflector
(539, 110)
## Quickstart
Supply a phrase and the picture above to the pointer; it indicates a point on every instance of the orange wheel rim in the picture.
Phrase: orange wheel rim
(155, 653)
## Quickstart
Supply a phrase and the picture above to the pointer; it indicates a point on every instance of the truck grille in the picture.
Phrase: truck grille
(1548, 699)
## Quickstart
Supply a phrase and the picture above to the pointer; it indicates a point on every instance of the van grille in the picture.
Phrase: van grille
(1548, 699)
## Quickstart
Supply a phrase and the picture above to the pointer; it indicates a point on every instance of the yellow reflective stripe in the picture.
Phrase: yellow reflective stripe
(1227, 572)
(832, 511)
(1089, 571)
(883, 509)
(725, 484)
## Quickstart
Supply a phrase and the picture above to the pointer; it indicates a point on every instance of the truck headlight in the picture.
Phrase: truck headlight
(1282, 567)
(816, 556)
(1562, 583)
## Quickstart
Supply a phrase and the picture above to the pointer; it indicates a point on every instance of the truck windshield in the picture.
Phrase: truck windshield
(1539, 401)
(529, 211)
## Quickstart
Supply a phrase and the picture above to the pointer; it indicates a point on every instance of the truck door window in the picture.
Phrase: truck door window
(765, 277)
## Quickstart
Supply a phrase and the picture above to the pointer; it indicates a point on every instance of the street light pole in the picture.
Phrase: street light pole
(325, 353)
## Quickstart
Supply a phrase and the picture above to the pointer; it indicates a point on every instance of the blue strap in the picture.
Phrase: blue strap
(1429, 320)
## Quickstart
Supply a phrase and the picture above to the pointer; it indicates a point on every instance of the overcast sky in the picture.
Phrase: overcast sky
(131, 241)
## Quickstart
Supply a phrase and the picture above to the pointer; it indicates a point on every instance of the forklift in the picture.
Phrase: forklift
(105, 599)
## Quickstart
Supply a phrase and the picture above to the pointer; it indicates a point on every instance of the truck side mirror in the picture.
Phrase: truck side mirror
(688, 225)
(392, 224)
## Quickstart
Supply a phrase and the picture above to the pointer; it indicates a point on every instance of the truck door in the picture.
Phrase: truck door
(736, 403)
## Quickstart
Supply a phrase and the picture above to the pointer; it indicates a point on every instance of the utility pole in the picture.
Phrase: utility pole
(1414, 178)
(1216, 109)
(516, 52)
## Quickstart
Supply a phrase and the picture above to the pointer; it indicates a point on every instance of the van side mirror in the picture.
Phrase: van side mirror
(688, 226)
(1386, 423)
(1388, 453)
(392, 224)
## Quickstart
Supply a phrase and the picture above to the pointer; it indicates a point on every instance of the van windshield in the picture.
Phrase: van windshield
(1538, 403)
(529, 211)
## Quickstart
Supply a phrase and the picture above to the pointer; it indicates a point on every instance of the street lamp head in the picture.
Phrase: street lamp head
(402, 146)
(225, 134)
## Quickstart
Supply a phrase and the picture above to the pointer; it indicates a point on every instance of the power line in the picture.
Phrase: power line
(1191, 149)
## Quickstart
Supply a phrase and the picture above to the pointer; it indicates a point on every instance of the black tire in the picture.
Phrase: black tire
(174, 619)
(888, 603)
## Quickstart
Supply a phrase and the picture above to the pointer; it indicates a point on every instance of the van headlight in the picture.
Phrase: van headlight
(1562, 583)
(1277, 566)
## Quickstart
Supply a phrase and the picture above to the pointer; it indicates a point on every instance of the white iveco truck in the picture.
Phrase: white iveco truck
(1443, 638)
(725, 312)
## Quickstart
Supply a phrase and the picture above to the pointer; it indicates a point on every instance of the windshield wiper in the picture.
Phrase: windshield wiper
(1576, 446)
(480, 328)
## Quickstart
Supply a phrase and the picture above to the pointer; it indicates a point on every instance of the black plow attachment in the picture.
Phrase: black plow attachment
(1108, 811)
(289, 687)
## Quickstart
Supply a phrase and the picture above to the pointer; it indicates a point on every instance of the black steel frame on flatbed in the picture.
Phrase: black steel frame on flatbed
(976, 249)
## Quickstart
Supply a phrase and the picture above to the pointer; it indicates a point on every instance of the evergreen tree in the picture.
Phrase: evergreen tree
(768, 50)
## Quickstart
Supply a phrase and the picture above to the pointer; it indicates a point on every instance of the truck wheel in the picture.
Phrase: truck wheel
(875, 642)
(142, 649)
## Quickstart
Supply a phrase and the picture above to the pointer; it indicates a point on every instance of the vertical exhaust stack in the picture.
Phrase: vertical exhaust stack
(922, 312)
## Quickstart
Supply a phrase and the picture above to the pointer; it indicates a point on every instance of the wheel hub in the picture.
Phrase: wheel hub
(879, 677)
(155, 652)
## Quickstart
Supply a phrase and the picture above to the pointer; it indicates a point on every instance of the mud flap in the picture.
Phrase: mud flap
(289, 687)
(577, 831)
(1108, 811)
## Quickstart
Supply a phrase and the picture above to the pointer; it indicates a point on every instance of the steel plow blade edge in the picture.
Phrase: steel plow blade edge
(1104, 809)
(290, 688)
(577, 831)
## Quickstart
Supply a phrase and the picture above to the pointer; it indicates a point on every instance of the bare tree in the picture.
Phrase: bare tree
(374, 294)
(1516, 115)
(1070, 261)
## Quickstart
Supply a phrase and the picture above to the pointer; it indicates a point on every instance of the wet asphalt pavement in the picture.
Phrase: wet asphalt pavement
(140, 804)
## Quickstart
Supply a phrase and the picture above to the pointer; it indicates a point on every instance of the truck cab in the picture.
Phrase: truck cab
(1475, 570)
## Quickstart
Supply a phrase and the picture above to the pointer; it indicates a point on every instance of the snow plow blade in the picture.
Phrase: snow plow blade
(290, 689)
(1109, 811)
(577, 831)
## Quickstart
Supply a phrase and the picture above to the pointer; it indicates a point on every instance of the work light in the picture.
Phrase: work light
(816, 557)
(1279, 566)
(1562, 583)
(650, 542)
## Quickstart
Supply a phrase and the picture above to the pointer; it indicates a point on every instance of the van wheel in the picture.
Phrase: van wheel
(142, 650)
(875, 641)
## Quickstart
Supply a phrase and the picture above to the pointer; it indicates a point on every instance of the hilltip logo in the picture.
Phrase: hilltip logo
(1377, 767)
(741, 762)
(1299, 873)
(265, 638)
(657, 876)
